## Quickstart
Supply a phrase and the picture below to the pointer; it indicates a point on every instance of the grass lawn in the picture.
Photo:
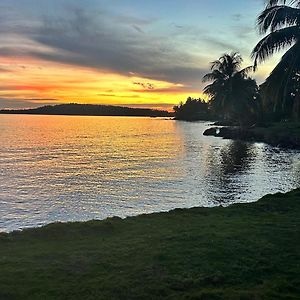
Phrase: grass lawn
(245, 251)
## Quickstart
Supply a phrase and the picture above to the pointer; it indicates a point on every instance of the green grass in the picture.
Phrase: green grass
(245, 251)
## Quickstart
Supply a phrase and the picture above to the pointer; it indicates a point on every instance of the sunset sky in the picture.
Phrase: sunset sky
(128, 52)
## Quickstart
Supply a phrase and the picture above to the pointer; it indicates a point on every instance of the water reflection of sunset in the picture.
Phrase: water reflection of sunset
(63, 168)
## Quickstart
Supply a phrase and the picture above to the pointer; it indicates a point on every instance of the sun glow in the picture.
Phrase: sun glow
(38, 82)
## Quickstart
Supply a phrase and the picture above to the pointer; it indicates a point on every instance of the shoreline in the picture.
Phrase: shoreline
(241, 251)
(74, 109)
(278, 134)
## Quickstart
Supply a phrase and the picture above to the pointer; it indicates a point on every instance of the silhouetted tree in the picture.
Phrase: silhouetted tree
(280, 20)
(192, 110)
(232, 91)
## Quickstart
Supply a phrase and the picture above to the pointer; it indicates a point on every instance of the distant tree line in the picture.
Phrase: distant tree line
(192, 110)
(90, 110)
(234, 96)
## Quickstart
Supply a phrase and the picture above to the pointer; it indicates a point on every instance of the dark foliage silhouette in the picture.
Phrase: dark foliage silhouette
(280, 21)
(90, 110)
(192, 110)
(232, 91)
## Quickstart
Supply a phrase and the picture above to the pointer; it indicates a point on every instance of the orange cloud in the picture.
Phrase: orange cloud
(30, 79)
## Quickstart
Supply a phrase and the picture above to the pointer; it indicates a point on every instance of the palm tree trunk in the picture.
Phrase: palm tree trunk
(296, 108)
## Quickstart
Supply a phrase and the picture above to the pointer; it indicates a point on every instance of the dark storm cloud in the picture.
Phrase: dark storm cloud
(93, 41)
(106, 42)
(117, 43)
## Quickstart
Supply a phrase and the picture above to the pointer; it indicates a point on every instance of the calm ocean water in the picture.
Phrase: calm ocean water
(71, 168)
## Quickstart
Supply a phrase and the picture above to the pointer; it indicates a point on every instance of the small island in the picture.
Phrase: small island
(89, 110)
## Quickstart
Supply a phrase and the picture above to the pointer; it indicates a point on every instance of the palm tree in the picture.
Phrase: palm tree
(281, 22)
(232, 90)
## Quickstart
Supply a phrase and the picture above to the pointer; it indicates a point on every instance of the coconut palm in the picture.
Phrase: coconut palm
(232, 90)
(281, 22)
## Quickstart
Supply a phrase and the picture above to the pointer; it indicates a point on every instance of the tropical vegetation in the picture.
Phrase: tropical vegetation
(192, 110)
(89, 110)
(235, 96)
(232, 92)
(280, 21)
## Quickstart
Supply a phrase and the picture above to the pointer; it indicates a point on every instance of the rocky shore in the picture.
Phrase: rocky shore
(277, 134)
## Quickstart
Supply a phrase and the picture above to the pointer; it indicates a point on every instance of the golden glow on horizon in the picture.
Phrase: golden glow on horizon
(40, 82)
(37, 82)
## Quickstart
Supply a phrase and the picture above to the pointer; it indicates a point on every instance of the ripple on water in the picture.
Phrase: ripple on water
(66, 168)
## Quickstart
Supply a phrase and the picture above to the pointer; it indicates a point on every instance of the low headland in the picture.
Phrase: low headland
(244, 251)
(280, 134)
(89, 110)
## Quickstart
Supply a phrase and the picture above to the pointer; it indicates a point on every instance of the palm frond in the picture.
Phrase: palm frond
(275, 42)
(231, 90)
(210, 89)
(215, 65)
(270, 3)
(276, 17)
(230, 63)
(214, 75)
(275, 87)
(244, 72)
